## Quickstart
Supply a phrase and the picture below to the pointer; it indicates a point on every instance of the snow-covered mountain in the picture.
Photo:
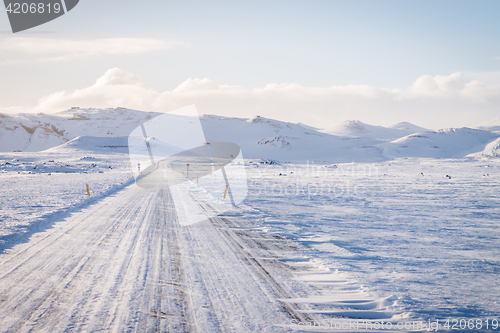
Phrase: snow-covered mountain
(492, 149)
(272, 139)
(351, 141)
(408, 127)
(492, 125)
(355, 128)
(445, 143)
(37, 132)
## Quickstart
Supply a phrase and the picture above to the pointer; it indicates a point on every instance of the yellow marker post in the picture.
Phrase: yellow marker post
(225, 192)
(88, 191)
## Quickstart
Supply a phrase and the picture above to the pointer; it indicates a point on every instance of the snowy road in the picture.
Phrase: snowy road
(125, 264)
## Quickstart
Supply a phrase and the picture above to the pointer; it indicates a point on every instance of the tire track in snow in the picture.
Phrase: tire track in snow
(44, 272)
(125, 264)
(259, 268)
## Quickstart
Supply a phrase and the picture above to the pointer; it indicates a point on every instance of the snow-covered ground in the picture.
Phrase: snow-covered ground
(407, 232)
(39, 187)
(395, 241)
(399, 229)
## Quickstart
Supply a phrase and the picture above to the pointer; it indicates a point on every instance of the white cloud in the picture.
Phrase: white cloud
(52, 49)
(115, 88)
(491, 78)
(434, 102)
(437, 85)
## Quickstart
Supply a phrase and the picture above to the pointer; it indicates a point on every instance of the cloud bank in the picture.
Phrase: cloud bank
(52, 49)
(432, 102)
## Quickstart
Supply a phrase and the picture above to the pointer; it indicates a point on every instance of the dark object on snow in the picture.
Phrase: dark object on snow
(268, 162)
(449, 177)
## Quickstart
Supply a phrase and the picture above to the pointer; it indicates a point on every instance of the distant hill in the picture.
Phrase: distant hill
(492, 149)
(259, 137)
(37, 132)
(445, 143)
(356, 128)
(492, 125)
(408, 127)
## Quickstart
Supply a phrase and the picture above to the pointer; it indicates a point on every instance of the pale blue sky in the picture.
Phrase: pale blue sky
(384, 44)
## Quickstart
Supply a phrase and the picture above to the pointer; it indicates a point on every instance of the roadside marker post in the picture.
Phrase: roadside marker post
(88, 191)
(227, 187)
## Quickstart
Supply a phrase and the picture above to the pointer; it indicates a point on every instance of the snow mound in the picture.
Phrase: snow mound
(308, 127)
(356, 128)
(445, 143)
(409, 127)
(492, 149)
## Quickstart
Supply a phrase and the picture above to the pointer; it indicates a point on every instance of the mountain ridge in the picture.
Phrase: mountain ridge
(356, 128)
(258, 137)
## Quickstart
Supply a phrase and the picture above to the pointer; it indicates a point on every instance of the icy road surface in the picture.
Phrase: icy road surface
(125, 264)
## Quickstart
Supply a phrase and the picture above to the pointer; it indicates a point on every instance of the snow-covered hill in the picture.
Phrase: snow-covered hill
(272, 139)
(37, 132)
(446, 143)
(355, 128)
(492, 125)
(259, 138)
(408, 127)
(492, 149)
